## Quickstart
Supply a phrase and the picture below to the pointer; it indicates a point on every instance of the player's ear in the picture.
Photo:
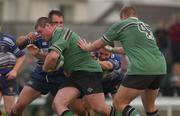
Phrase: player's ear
(48, 25)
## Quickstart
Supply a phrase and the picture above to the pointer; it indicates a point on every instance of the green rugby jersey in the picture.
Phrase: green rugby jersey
(139, 45)
(65, 41)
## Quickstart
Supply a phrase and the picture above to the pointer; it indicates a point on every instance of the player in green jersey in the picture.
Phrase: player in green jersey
(147, 65)
(85, 72)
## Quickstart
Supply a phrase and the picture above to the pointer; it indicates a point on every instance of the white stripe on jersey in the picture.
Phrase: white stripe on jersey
(8, 41)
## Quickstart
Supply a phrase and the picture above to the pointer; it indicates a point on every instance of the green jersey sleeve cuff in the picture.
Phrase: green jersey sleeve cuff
(106, 40)
(56, 48)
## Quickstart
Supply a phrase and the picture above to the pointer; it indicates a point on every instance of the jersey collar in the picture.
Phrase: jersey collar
(54, 30)
(134, 18)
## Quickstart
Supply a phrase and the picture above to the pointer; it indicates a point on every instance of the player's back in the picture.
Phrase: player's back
(74, 58)
(140, 46)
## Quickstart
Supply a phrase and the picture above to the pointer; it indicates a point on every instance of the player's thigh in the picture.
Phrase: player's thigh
(27, 95)
(65, 96)
(96, 100)
(125, 95)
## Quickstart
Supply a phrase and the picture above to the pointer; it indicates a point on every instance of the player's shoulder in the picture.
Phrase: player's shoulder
(8, 39)
(4, 35)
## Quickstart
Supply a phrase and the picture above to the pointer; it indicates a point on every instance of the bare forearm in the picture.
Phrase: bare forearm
(41, 56)
(50, 61)
(96, 45)
(18, 64)
(22, 42)
(119, 50)
(106, 65)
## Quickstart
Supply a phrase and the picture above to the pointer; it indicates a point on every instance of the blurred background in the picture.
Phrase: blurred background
(90, 18)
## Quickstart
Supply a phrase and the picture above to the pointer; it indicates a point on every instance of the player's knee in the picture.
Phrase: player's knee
(20, 105)
(57, 104)
(98, 108)
(54, 106)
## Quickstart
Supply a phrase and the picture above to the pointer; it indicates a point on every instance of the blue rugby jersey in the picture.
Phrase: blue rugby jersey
(42, 45)
(115, 59)
(8, 53)
(38, 73)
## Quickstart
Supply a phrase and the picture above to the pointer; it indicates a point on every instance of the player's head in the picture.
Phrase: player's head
(44, 27)
(104, 54)
(127, 11)
(56, 17)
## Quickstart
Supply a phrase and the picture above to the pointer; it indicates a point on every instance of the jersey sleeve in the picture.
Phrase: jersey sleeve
(111, 34)
(60, 40)
(13, 47)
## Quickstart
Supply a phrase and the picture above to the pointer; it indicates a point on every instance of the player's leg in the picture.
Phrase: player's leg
(63, 98)
(0, 100)
(123, 98)
(148, 100)
(27, 95)
(132, 86)
(149, 96)
(8, 103)
(9, 91)
(90, 84)
(79, 107)
(97, 103)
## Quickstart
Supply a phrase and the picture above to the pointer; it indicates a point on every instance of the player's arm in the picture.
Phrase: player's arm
(40, 55)
(96, 45)
(106, 65)
(118, 50)
(106, 39)
(23, 41)
(50, 61)
(19, 60)
(13, 73)
(35, 51)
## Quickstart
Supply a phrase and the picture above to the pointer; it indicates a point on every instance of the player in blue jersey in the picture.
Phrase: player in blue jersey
(112, 75)
(11, 58)
(41, 82)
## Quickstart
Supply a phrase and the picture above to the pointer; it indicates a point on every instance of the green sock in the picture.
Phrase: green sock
(67, 113)
(128, 111)
(134, 113)
(118, 114)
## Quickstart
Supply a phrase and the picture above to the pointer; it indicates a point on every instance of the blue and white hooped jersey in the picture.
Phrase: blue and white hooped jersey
(115, 59)
(42, 45)
(9, 51)
(38, 72)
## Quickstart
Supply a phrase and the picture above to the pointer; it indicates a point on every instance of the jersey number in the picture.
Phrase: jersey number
(142, 28)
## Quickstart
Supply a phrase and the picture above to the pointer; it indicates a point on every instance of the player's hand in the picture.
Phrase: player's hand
(108, 48)
(84, 45)
(11, 75)
(67, 74)
(31, 36)
(33, 49)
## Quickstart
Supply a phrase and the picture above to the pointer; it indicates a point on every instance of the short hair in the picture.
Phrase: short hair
(42, 22)
(55, 12)
(128, 11)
